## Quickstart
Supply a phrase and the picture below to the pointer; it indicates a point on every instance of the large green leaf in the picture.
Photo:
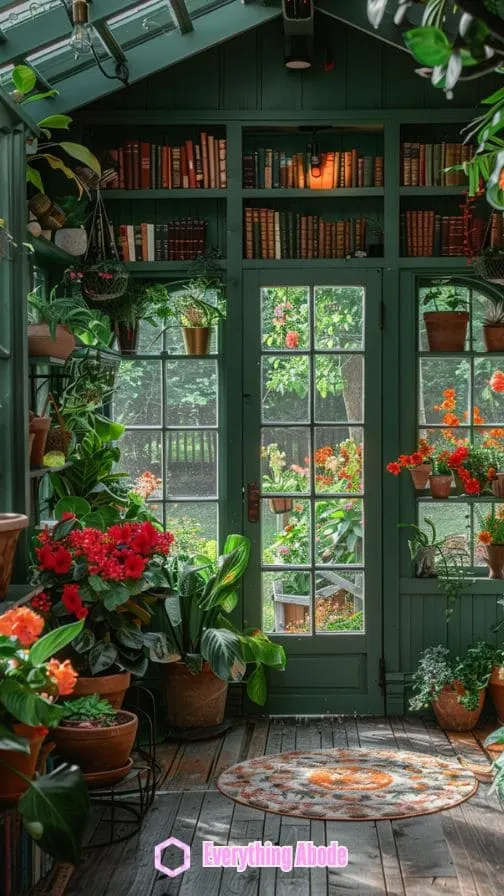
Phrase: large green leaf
(55, 811)
(11, 741)
(102, 656)
(231, 567)
(257, 686)
(130, 635)
(72, 504)
(222, 649)
(26, 706)
(136, 666)
(84, 641)
(116, 596)
(59, 122)
(24, 78)
(162, 648)
(43, 95)
(49, 644)
(429, 46)
(82, 154)
(108, 430)
(33, 177)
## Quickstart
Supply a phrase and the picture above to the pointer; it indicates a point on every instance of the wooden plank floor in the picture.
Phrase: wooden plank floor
(456, 853)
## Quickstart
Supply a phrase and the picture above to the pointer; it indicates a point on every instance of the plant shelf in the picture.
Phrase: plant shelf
(38, 472)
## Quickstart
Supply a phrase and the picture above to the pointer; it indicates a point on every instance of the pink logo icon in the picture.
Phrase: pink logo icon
(158, 857)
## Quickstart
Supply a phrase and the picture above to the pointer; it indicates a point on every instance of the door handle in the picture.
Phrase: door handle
(253, 502)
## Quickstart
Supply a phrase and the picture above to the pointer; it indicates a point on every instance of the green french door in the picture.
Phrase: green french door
(313, 472)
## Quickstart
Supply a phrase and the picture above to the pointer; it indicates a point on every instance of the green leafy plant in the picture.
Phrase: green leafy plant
(202, 595)
(436, 670)
(189, 305)
(134, 305)
(279, 479)
(497, 738)
(67, 311)
(444, 298)
(423, 546)
(87, 710)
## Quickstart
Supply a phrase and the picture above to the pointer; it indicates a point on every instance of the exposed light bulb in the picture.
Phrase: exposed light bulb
(315, 163)
(81, 39)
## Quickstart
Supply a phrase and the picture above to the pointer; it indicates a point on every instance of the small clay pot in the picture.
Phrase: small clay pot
(446, 330)
(440, 485)
(494, 338)
(451, 714)
(109, 687)
(280, 505)
(498, 485)
(97, 749)
(10, 530)
(39, 428)
(494, 558)
(420, 475)
(496, 689)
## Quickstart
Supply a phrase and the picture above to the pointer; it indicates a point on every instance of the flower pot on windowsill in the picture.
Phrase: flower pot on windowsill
(42, 345)
(127, 337)
(196, 340)
(420, 475)
(451, 714)
(10, 530)
(110, 687)
(496, 689)
(280, 505)
(194, 701)
(446, 330)
(11, 785)
(440, 485)
(498, 485)
(494, 558)
(494, 338)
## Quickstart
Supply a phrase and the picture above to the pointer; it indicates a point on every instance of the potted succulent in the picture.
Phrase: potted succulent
(54, 322)
(200, 647)
(491, 535)
(446, 319)
(493, 324)
(454, 689)
(11, 525)
(279, 479)
(104, 577)
(96, 737)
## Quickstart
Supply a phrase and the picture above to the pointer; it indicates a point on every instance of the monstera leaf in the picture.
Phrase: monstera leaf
(55, 811)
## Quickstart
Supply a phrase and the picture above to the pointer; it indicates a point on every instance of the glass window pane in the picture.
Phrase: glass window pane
(286, 531)
(489, 405)
(339, 531)
(339, 388)
(339, 601)
(339, 317)
(285, 459)
(191, 392)
(285, 317)
(194, 525)
(444, 391)
(338, 459)
(137, 400)
(446, 436)
(286, 602)
(285, 389)
(150, 339)
(452, 524)
(140, 454)
(191, 463)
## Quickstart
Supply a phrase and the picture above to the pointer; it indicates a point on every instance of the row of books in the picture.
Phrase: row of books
(22, 863)
(277, 234)
(271, 168)
(423, 164)
(426, 233)
(139, 165)
(179, 240)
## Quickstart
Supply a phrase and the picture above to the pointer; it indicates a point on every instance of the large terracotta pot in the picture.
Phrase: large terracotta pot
(110, 687)
(194, 701)
(10, 529)
(97, 749)
(496, 688)
(494, 557)
(494, 338)
(42, 345)
(127, 337)
(451, 715)
(196, 340)
(498, 485)
(11, 785)
(440, 486)
(39, 429)
(280, 505)
(420, 475)
(446, 330)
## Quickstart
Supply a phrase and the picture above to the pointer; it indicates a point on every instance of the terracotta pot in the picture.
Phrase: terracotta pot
(440, 486)
(127, 337)
(39, 428)
(110, 687)
(196, 340)
(10, 529)
(496, 689)
(446, 330)
(498, 486)
(420, 475)
(193, 701)
(451, 715)
(494, 338)
(97, 749)
(495, 750)
(280, 505)
(11, 785)
(494, 558)
(42, 345)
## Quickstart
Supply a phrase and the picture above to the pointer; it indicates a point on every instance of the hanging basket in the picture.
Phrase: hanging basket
(490, 267)
(104, 280)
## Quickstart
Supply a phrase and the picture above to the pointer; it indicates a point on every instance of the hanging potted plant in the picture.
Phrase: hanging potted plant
(127, 311)
(106, 578)
(446, 319)
(279, 479)
(455, 689)
(201, 649)
(96, 737)
(11, 525)
(491, 535)
(102, 276)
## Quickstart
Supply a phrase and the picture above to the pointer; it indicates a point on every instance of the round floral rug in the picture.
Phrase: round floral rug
(348, 784)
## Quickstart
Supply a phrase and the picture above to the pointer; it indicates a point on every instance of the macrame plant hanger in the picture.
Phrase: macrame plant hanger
(104, 276)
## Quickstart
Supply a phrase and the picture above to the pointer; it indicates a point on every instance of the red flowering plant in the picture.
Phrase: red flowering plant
(105, 578)
(422, 455)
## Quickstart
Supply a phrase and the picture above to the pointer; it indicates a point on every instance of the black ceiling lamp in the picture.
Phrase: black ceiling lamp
(298, 31)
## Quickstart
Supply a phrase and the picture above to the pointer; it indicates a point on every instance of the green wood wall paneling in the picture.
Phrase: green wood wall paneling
(242, 81)
(363, 82)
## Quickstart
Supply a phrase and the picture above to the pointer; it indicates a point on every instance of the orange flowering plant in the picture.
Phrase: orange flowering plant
(492, 527)
(30, 679)
(422, 455)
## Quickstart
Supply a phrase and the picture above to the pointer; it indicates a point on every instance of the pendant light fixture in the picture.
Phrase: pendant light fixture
(315, 161)
(81, 40)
